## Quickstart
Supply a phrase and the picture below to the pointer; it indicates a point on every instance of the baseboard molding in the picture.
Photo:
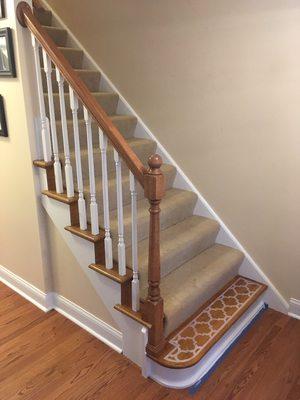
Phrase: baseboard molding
(294, 310)
(27, 290)
(53, 301)
(95, 326)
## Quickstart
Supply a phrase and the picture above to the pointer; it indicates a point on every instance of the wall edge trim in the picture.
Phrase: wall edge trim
(294, 309)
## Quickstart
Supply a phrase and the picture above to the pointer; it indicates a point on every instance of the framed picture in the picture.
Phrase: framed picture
(3, 125)
(7, 60)
(2, 9)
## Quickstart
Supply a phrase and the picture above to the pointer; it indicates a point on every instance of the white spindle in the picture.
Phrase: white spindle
(57, 166)
(93, 203)
(81, 200)
(46, 141)
(121, 243)
(134, 249)
(68, 166)
(107, 239)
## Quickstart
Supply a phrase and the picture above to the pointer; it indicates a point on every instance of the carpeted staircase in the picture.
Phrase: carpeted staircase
(193, 266)
(202, 295)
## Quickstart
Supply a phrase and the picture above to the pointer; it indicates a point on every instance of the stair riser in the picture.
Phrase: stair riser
(112, 189)
(143, 152)
(44, 16)
(91, 79)
(59, 36)
(172, 258)
(196, 299)
(169, 215)
(74, 57)
(126, 129)
(108, 102)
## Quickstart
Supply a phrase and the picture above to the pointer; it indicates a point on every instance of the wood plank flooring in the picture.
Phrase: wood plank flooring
(47, 357)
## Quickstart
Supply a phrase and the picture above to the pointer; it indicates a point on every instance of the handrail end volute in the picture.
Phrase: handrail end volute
(20, 12)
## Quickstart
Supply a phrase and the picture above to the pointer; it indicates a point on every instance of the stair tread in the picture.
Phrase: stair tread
(95, 93)
(84, 71)
(177, 204)
(179, 243)
(115, 117)
(165, 168)
(44, 16)
(96, 150)
(195, 337)
(58, 35)
(199, 279)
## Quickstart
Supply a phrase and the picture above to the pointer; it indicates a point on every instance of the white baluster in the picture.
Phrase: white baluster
(93, 203)
(121, 243)
(81, 200)
(57, 166)
(46, 141)
(107, 239)
(68, 166)
(135, 285)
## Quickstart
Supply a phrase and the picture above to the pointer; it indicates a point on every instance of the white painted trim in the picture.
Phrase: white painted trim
(49, 301)
(249, 268)
(184, 378)
(294, 310)
(27, 290)
(95, 326)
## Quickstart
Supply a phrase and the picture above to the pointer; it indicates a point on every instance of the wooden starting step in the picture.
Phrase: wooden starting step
(195, 337)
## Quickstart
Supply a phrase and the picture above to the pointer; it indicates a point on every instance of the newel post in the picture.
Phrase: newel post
(153, 307)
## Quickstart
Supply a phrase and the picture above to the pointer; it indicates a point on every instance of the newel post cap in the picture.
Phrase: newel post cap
(154, 179)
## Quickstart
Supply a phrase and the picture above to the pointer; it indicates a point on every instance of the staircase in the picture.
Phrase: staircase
(175, 278)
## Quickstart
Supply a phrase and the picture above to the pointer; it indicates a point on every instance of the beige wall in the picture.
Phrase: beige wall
(20, 244)
(218, 82)
(30, 245)
(68, 278)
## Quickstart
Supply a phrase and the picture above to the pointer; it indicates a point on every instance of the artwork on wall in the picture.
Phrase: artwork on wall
(3, 125)
(2, 9)
(7, 61)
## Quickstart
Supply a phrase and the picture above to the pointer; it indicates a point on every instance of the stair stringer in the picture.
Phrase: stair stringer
(133, 333)
(249, 268)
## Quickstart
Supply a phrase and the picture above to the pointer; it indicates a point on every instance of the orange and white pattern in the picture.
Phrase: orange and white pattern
(199, 334)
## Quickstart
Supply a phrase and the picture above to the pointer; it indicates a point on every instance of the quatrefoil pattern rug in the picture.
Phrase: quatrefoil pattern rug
(203, 330)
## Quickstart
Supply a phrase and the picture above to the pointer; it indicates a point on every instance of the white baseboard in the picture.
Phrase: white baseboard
(26, 289)
(95, 326)
(294, 310)
(52, 301)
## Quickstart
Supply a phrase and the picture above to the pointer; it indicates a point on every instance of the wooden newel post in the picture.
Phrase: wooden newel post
(153, 307)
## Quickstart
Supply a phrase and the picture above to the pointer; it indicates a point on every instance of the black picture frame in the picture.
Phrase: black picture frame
(3, 124)
(2, 9)
(7, 59)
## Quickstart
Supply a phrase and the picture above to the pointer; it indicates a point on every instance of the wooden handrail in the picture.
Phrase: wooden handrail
(151, 179)
(27, 19)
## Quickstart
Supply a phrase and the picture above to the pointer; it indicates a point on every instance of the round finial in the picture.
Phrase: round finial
(155, 161)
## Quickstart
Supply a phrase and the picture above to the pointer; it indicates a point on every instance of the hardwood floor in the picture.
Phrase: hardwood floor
(47, 357)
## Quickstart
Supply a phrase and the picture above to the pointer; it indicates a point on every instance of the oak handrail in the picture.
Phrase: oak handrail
(28, 20)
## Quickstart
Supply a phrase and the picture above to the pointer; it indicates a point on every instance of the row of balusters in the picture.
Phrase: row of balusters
(51, 153)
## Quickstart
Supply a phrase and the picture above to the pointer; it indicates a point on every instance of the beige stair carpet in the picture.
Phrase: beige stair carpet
(193, 266)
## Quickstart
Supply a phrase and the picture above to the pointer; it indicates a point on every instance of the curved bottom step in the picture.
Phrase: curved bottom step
(188, 344)
(193, 377)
